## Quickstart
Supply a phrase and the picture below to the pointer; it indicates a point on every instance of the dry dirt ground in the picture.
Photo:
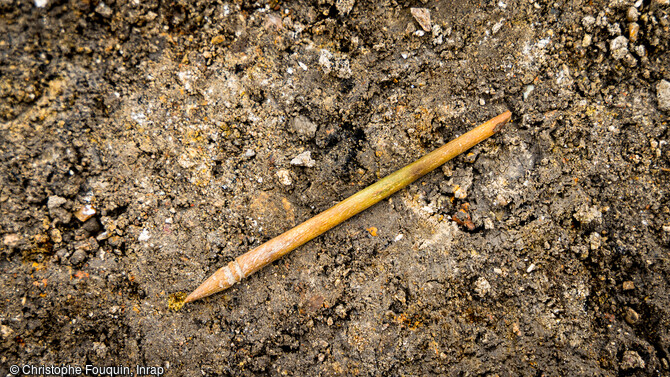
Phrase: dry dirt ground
(145, 144)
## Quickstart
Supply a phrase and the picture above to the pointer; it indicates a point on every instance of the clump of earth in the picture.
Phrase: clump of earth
(144, 145)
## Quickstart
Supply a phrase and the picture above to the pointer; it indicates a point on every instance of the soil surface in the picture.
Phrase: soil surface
(145, 144)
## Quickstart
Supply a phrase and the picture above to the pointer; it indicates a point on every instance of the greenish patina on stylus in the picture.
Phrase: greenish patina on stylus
(277, 247)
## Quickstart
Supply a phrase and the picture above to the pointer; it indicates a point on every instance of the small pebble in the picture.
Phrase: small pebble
(55, 235)
(663, 95)
(100, 349)
(6, 331)
(531, 268)
(62, 254)
(104, 10)
(185, 161)
(618, 4)
(422, 16)
(339, 65)
(303, 126)
(586, 215)
(614, 29)
(304, 159)
(631, 316)
(633, 30)
(92, 226)
(249, 153)
(460, 192)
(103, 236)
(55, 202)
(344, 6)
(428, 209)
(595, 240)
(325, 61)
(619, 47)
(527, 91)
(482, 287)
(588, 22)
(78, 257)
(144, 235)
(641, 51)
(632, 14)
(628, 285)
(84, 213)
(496, 27)
(284, 177)
(87, 245)
(218, 40)
(409, 29)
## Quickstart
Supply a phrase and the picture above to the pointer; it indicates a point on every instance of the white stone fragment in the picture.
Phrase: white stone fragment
(482, 287)
(304, 159)
(663, 95)
(284, 177)
(619, 47)
(144, 235)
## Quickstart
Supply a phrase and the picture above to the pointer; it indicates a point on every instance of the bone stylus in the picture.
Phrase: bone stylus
(277, 247)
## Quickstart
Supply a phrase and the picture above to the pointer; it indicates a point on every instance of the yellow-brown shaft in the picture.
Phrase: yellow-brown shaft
(277, 247)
